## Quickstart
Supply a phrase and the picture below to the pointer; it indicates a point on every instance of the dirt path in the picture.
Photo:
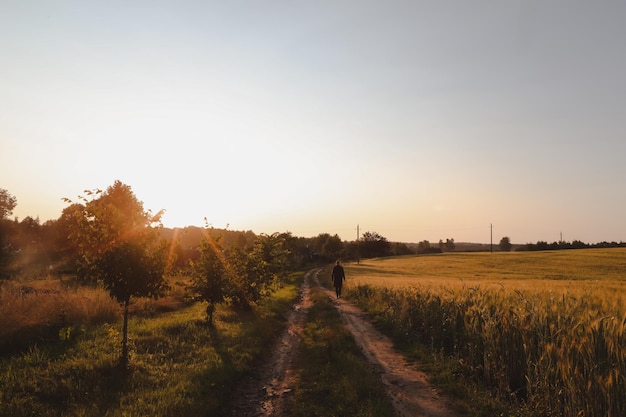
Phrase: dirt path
(262, 394)
(408, 388)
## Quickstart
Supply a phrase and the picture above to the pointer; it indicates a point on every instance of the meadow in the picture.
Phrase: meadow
(544, 330)
(60, 351)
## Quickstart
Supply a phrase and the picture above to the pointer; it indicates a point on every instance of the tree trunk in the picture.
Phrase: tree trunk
(209, 314)
(124, 359)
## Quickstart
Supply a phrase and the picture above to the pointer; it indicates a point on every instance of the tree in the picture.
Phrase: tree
(271, 258)
(373, 245)
(210, 275)
(267, 263)
(505, 244)
(237, 274)
(7, 204)
(328, 247)
(118, 247)
(332, 248)
(423, 246)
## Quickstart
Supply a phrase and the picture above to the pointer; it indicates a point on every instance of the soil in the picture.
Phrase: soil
(263, 393)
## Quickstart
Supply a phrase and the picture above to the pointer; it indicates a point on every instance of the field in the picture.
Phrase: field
(573, 270)
(544, 329)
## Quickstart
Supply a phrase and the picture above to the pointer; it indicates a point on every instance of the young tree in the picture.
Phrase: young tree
(210, 275)
(118, 247)
(270, 258)
(242, 276)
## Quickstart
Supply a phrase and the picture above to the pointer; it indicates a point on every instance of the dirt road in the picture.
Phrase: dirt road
(262, 394)
(408, 388)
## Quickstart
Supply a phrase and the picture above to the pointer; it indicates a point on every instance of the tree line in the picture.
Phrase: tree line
(107, 238)
(30, 247)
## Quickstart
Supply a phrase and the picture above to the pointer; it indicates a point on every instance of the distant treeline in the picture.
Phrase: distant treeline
(576, 244)
(30, 248)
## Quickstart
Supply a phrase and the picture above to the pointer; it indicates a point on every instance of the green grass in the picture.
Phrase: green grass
(335, 378)
(179, 366)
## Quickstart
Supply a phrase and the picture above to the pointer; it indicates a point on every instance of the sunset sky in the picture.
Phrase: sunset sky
(415, 119)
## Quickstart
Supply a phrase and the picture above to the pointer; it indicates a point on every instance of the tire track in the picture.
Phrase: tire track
(408, 388)
(262, 394)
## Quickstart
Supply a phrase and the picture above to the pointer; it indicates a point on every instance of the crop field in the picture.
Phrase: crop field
(556, 271)
(544, 329)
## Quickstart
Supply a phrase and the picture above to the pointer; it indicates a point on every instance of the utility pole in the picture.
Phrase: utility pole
(491, 228)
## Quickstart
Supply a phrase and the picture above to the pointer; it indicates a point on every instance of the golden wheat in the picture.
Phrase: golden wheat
(548, 329)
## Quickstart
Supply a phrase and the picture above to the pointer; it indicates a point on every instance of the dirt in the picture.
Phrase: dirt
(263, 393)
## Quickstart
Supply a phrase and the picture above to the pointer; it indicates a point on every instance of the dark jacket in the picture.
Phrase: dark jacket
(339, 276)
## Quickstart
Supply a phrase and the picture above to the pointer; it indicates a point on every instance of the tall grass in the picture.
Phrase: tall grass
(179, 366)
(32, 314)
(560, 353)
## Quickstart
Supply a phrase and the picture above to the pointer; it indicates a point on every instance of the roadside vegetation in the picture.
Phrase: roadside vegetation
(179, 365)
(543, 332)
(117, 325)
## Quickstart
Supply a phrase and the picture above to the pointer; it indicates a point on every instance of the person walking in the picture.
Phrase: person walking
(338, 277)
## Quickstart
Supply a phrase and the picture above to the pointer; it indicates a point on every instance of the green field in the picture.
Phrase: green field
(546, 330)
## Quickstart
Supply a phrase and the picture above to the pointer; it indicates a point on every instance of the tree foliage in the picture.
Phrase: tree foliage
(327, 247)
(117, 246)
(425, 247)
(7, 203)
(373, 245)
(505, 244)
(243, 276)
(210, 278)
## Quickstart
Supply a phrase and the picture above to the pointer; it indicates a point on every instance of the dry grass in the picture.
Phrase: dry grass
(30, 311)
(34, 310)
(179, 366)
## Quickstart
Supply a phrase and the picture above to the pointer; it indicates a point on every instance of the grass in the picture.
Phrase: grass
(335, 379)
(544, 332)
(35, 312)
(179, 366)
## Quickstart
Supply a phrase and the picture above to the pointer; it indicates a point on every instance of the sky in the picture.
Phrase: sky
(418, 120)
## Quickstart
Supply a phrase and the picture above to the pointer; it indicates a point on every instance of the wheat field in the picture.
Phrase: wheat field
(545, 329)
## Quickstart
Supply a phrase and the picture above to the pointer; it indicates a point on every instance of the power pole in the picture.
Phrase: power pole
(491, 228)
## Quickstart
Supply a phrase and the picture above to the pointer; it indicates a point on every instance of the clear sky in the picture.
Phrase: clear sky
(414, 119)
